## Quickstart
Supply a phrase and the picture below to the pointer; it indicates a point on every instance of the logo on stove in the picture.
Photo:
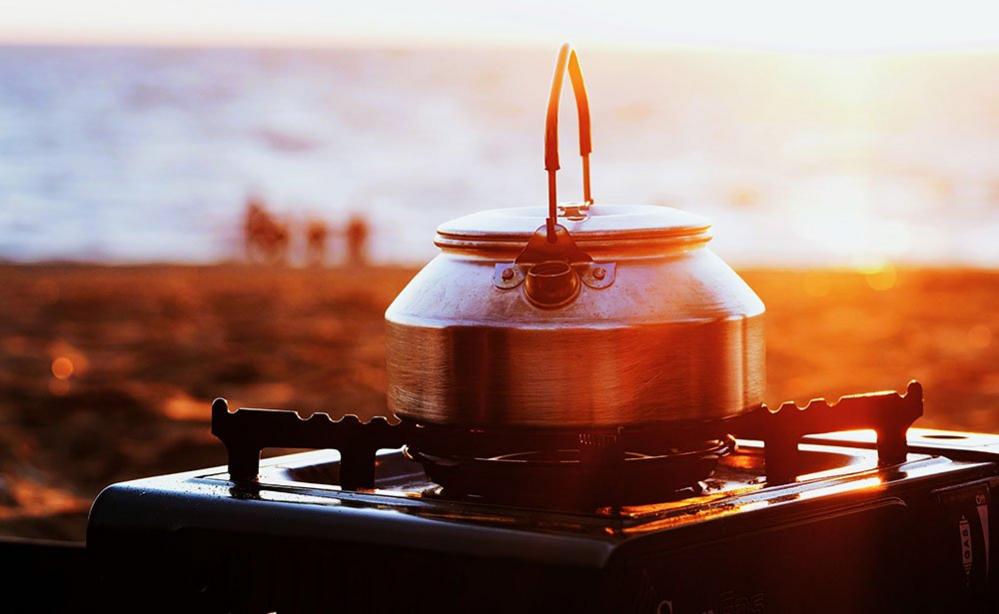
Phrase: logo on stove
(982, 502)
(733, 603)
(967, 557)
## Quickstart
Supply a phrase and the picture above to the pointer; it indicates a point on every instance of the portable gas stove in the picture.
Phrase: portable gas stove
(580, 428)
(412, 517)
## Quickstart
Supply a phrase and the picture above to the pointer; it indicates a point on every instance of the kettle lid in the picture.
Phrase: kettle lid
(598, 222)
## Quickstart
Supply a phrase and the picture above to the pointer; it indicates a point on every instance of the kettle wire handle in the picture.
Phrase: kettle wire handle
(566, 55)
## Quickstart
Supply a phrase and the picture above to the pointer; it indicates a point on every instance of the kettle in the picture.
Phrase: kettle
(580, 315)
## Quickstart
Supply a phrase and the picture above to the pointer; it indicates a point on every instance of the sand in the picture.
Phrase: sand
(107, 373)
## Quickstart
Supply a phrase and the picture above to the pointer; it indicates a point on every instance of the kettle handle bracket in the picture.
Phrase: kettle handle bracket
(539, 249)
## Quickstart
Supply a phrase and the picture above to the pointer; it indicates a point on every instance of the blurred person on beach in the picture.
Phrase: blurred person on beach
(316, 236)
(357, 233)
(266, 239)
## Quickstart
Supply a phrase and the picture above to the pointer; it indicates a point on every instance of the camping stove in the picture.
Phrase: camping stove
(778, 517)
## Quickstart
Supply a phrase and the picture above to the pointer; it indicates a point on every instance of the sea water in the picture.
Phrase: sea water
(148, 154)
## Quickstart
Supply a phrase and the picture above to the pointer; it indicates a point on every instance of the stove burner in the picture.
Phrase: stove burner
(590, 475)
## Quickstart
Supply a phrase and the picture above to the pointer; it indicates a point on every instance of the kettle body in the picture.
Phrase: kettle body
(668, 333)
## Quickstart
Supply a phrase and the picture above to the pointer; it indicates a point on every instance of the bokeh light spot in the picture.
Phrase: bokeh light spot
(62, 368)
(58, 387)
(882, 278)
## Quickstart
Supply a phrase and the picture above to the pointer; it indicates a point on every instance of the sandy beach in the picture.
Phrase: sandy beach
(106, 373)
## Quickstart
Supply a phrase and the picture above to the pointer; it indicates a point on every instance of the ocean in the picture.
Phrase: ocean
(126, 155)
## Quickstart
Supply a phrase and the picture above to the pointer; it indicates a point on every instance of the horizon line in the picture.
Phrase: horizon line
(430, 44)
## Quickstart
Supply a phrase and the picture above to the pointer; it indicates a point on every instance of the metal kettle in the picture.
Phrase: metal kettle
(604, 315)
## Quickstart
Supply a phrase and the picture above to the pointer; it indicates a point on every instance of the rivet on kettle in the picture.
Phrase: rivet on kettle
(599, 273)
(507, 274)
(551, 284)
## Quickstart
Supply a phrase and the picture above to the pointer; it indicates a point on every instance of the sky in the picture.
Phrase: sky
(845, 26)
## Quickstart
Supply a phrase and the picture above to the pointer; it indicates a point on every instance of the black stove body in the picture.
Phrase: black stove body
(859, 526)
